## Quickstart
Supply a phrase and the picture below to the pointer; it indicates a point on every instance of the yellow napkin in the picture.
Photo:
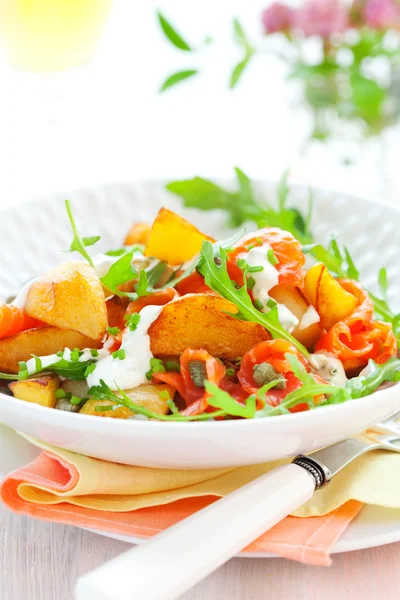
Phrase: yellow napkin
(372, 479)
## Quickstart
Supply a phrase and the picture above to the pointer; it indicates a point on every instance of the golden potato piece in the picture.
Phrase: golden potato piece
(41, 342)
(70, 297)
(294, 299)
(147, 395)
(174, 239)
(199, 321)
(138, 234)
(40, 390)
(89, 408)
(331, 301)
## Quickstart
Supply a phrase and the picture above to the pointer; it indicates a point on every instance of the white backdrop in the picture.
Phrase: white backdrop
(107, 121)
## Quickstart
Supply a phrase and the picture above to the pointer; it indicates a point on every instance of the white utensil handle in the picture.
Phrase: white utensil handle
(178, 558)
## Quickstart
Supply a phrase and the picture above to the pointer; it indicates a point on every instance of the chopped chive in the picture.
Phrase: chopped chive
(258, 304)
(60, 354)
(251, 282)
(113, 330)
(172, 406)
(121, 354)
(38, 363)
(94, 352)
(103, 408)
(164, 395)
(230, 372)
(60, 394)
(271, 303)
(271, 257)
(242, 264)
(251, 247)
(89, 369)
(149, 374)
(74, 356)
(256, 269)
(259, 241)
(132, 321)
(75, 400)
(238, 360)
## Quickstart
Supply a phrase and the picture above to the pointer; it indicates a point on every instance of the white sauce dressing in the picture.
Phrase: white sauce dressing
(329, 368)
(20, 298)
(50, 359)
(130, 371)
(265, 280)
(309, 318)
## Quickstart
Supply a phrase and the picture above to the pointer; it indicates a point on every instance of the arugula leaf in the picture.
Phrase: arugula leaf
(103, 392)
(220, 399)
(242, 205)
(142, 287)
(154, 274)
(90, 241)
(120, 272)
(78, 244)
(70, 369)
(217, 278)
(177, 78)
(171, 34)
(383, 283)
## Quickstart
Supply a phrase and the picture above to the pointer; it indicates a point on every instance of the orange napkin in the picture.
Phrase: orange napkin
(57, 487)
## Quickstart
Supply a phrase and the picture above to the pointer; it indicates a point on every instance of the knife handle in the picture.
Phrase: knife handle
(175, 560)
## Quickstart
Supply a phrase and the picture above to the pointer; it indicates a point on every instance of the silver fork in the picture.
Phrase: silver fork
(326, 463)
(189, 551)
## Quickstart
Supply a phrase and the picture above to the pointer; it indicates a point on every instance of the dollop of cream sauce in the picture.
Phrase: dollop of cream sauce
(265, 280)
(329, 368)
(131, 370)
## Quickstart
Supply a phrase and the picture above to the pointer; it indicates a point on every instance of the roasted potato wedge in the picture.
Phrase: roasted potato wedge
(40, 390)
(174, 239)
(70, 297)
(40, 342)
(199, 321)
(331, 301)
(138, 234)
(147, 395)
(294, 299)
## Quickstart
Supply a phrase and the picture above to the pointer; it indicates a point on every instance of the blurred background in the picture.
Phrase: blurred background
(311, 86)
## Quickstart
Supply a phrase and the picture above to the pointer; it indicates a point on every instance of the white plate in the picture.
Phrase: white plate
(33, 236)
(373, 526)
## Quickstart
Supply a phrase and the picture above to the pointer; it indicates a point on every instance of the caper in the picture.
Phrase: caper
(197, 371)
(265, 373)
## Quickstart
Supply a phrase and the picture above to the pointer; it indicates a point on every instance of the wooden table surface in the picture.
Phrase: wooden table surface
(41, 561)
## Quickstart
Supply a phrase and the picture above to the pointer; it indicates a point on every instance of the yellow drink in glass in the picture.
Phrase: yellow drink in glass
(51, 35)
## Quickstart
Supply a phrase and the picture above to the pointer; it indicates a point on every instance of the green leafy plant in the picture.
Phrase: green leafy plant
(243, 205)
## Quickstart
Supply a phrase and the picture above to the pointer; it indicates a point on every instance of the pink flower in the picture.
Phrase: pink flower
(382, 14)
(322, 18)
(278, 18)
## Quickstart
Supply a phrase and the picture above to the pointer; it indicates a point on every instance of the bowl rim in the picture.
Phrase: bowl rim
(38, 202)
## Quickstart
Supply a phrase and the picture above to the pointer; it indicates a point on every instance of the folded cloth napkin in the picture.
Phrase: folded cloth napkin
(65, 487)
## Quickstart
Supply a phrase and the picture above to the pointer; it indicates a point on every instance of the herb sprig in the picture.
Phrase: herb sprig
(79, 244)
(243, 205)
(217, 278)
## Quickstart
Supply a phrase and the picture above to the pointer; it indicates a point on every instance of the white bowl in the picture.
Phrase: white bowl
(32, 237)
